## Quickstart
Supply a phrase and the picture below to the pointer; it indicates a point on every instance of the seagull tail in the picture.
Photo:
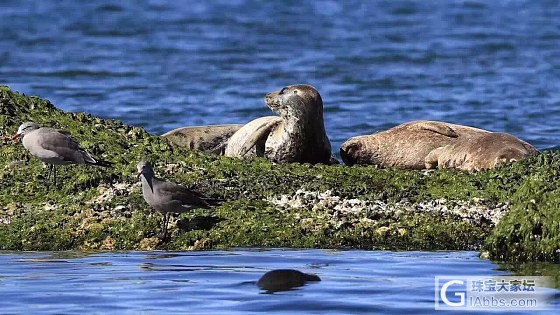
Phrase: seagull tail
(102, 163)
(90, 160)
(213, 201)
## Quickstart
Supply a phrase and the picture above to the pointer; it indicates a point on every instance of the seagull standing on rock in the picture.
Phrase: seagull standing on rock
(54, 147)
(168, 197)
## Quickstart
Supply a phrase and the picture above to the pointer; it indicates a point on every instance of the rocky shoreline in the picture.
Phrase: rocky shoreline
(476, 212)
(511, 213)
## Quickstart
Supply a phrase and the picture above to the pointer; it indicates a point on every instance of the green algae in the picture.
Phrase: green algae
(531, 229)
(102, 208)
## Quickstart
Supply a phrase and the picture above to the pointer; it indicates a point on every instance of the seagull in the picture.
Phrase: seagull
(54, 147)
(167, 197)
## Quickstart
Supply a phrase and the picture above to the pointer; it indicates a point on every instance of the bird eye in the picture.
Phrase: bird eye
(295, 91)
(282, 91)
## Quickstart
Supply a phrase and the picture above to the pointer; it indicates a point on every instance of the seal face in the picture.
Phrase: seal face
(298, 135)
(434, 144)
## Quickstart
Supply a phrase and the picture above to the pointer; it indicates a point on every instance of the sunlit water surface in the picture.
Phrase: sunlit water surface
(223, 282)
(167, 64)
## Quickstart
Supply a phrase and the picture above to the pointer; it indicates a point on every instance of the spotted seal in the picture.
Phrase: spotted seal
(298, 135)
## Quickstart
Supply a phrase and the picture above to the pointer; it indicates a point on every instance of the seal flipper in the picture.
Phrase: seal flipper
(260, 134)
(431, 161)
(250, 135)
(437, 127)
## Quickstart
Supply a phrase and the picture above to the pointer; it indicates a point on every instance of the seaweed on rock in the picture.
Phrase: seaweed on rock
(276, 205)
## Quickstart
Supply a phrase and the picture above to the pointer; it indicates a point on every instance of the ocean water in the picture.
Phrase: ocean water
(168, 64)
(223, 282)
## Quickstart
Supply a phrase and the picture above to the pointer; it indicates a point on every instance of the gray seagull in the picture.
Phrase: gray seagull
(168, 197)
(54, 147)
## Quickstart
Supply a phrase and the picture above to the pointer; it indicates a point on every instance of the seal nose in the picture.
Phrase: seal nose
(271, 101)
(348, 152)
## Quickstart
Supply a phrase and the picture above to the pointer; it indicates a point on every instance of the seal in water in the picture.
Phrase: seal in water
(410, 146)
(211, 139)
(486, 151)
(298, 135)
(284, 279)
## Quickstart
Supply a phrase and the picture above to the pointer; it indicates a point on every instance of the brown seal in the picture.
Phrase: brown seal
(212, 139)
(410, 146)
(404, 146)
(298, 135)
(485, 151)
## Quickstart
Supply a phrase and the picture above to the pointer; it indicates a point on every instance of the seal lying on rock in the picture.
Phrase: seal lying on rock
(407, 146)
(298, 135)
(212, 139)
(404, 146)
(485, 151)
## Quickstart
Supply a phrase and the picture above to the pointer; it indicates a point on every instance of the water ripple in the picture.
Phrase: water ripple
(387, 61)
(224, 281)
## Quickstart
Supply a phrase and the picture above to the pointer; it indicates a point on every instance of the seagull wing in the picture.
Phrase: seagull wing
(183, 194)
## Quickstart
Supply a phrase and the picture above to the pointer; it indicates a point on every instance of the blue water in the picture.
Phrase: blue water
(223, 282)
(166, 64)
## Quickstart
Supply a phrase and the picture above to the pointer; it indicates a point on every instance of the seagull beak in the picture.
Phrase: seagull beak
(138, 174)
(16, 136)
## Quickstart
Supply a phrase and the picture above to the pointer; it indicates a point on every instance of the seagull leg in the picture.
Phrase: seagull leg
(165, 222)
(167, 217)
(49, 175)
(54, 175)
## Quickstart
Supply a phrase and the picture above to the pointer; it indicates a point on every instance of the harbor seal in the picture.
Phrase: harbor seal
(284, 279)
(430, 144)
(211, 139)
(404, 146)
(298, 135)
(485, 151)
